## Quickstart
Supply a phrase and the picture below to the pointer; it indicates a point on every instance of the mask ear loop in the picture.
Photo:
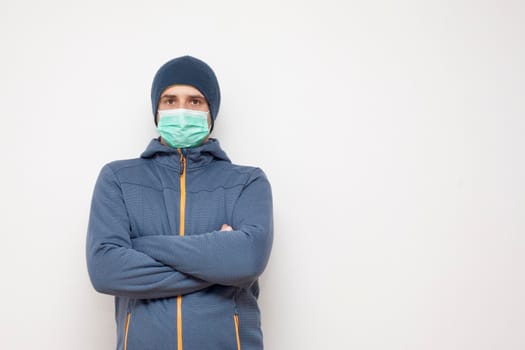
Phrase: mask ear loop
(210, 127)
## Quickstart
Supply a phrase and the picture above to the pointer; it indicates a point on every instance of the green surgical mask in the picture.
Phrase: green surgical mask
(183, 128)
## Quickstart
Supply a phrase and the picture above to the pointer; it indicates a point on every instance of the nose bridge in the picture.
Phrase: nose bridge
(180, 102)
(184, 101)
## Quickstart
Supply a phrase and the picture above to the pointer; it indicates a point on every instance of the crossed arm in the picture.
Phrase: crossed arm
(165, 266)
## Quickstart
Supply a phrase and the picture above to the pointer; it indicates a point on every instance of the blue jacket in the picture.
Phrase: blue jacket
(154, 242)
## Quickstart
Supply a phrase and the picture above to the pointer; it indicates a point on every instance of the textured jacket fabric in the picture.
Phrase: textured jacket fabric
(137, 250)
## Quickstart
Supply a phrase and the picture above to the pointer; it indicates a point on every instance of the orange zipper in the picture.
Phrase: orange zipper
(182, 192)
(126, 328)
(236, 321)
(181, 233)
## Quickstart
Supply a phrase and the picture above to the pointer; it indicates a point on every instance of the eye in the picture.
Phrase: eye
(195, 101)
(168, 100)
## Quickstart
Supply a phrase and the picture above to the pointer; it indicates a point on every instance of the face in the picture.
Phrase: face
(183, 96)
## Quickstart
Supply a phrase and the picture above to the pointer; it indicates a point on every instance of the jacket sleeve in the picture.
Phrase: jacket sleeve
(235, 258)
(114, 267)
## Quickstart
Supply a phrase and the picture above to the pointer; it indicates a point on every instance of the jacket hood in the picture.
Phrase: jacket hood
(196, 156)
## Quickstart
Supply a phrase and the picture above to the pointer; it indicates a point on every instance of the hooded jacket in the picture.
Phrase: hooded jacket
(154, 242)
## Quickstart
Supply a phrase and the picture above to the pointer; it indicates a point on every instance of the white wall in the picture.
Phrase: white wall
(392, 133)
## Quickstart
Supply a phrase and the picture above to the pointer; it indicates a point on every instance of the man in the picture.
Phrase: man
(180, 235)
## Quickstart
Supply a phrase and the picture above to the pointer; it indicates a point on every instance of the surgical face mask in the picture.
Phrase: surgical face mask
(183, 128)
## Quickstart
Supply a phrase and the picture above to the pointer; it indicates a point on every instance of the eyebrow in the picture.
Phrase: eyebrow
(190, 96)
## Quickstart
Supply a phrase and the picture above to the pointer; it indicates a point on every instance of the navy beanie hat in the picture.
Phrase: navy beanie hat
(187, 70)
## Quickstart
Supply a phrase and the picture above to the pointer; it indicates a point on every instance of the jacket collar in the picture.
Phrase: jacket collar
(196, 157)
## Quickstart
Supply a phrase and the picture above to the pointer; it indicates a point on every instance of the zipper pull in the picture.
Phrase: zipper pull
(182, 163)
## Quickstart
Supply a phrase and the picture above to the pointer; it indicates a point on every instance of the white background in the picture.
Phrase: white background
(391, 131)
